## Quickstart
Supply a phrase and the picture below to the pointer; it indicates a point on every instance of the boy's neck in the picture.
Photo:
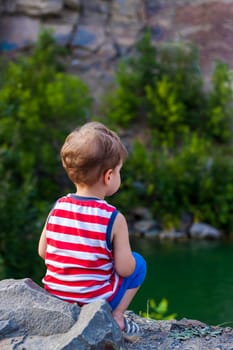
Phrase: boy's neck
(90, 191)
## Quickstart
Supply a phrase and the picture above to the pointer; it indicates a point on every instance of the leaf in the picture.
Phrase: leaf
(163, 306)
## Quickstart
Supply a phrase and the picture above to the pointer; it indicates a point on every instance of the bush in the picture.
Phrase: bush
(164, 89)
(39, 105)
(220, 105)
(177, 167)
(134, 185)
(127, 103)
(19, 219)
(195, 179)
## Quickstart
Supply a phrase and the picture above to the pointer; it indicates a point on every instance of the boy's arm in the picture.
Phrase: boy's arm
(42, 244)
(123, 258)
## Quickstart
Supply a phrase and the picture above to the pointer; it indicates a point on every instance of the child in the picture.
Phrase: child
(85, 241)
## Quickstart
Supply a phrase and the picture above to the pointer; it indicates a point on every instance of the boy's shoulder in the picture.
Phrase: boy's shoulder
(86, 201)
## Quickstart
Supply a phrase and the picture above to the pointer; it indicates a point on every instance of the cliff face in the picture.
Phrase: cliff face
(207, 24)
(100, 32)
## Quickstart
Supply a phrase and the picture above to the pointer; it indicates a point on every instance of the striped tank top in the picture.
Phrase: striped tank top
(79, 256)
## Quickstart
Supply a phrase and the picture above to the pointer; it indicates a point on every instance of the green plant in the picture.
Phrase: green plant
(163, 88)
(186, 133)
(167, 112)
(196, 179)
(127, 103)
(157, 311)
(135, 185)
(39, 105)
(220, 108)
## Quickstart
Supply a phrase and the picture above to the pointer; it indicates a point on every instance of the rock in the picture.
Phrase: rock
(186, 222)
(125, 24)
(63, 26)
(33, 310)
(39, 7)
(90, 37)
(196, 231)
(108, 31)
(173, 235)
(147, 228)
(182, 334)
(32, 319)
(141, 223)
(204, 231)
(11, 38)
(7, 6)
(95, 329)
(35, 7)
(99, 6)
(140, 213)
(73, 4)
(7, 327)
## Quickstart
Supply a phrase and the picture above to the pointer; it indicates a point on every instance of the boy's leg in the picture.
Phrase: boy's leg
(127, 291)
(118, 313)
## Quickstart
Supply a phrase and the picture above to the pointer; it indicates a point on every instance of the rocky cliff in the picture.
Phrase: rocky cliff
(100, 32)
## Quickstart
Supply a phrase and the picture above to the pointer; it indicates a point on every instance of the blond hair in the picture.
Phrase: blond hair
(89, 151)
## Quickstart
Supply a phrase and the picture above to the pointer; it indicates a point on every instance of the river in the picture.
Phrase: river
(196, 277)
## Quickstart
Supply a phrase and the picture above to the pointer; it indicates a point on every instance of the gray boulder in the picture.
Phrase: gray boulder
(204, 231)
(33, 310)
(32, 319)
(38, 7)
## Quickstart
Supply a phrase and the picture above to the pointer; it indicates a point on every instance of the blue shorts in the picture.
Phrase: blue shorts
(133, 281)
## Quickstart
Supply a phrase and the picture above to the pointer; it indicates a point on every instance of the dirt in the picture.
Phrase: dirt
(178, 335)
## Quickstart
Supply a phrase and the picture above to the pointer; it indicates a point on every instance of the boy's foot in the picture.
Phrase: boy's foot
(131, 327)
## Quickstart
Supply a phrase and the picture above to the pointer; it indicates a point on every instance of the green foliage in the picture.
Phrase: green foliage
(220, 104)
(190, 181)
(178, 177)
(164, 88)
(135, 185)
(178, 166)
(216, 197)
(127, 103)
(157, 311)
(19, 231)
(39, 105)
(196, 178)
(176, 99)
(167, 112)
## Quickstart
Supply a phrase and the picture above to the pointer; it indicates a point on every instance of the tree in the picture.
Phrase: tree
(39, 104)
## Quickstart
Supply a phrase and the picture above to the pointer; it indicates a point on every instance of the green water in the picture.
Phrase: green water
(195, 277)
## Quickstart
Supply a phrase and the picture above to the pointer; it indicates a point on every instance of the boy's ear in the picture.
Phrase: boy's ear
(107, 176)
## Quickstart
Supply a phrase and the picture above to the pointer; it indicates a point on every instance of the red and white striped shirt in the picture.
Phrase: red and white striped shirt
(79, 259)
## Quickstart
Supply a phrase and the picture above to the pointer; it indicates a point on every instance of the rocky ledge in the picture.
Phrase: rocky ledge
(31, 319)
(100, 33)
